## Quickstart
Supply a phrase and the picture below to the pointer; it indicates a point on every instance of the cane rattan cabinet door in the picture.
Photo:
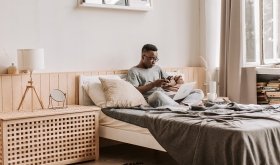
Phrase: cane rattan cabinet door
(51, 137)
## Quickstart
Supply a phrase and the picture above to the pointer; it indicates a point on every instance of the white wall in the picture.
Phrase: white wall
(81, 39)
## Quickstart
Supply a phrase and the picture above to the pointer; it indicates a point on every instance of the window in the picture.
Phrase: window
(261, 30)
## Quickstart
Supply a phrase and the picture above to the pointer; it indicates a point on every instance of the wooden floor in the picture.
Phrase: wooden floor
(125, 154)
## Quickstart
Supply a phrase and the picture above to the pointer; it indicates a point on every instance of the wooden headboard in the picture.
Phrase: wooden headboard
(12, 86)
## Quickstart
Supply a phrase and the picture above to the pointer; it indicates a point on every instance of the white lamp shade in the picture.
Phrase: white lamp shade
(30, 59)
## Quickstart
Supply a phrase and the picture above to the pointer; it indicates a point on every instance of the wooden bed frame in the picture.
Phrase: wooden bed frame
(12, 86)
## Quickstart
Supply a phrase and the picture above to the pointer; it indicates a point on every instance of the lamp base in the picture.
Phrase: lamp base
(25, 92)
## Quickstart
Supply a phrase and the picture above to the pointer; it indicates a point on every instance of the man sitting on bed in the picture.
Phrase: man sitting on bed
(153, 82)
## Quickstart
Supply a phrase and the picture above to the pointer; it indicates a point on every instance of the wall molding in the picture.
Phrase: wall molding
(12, 86)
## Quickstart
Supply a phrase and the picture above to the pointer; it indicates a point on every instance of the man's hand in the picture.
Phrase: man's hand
(151, 85)
(160, 82)
(174, 83)
(179, 79)
(170, 82)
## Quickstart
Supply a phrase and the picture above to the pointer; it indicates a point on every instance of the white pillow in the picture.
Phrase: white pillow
(94, 89)
(120, 93)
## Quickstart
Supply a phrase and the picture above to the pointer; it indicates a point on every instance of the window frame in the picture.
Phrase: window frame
(259, 41)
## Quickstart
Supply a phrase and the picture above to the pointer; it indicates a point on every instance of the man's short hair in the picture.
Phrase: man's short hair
(149, 47)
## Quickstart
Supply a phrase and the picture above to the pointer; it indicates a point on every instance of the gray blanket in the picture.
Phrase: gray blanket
(232, 134)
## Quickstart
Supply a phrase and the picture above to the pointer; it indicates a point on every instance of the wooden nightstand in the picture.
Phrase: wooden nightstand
(49, 136)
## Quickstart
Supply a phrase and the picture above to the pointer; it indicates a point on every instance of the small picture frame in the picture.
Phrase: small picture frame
(93, 1)
(116, 2)
(139, 3)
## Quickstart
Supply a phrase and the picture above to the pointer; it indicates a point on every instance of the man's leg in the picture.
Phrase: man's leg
(159, 98)
(194, 98)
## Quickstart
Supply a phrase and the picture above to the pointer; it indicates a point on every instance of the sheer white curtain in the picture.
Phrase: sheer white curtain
(210, 21)
(231, 49)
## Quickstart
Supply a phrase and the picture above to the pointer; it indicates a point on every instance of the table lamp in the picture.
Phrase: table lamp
(30, 60)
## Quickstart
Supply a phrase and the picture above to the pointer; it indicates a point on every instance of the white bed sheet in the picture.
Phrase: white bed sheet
(107, 121)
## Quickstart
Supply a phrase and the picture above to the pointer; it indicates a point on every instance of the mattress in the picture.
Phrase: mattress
(107, 121)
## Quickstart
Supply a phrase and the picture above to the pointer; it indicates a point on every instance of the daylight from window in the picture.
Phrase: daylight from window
(262, 32)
